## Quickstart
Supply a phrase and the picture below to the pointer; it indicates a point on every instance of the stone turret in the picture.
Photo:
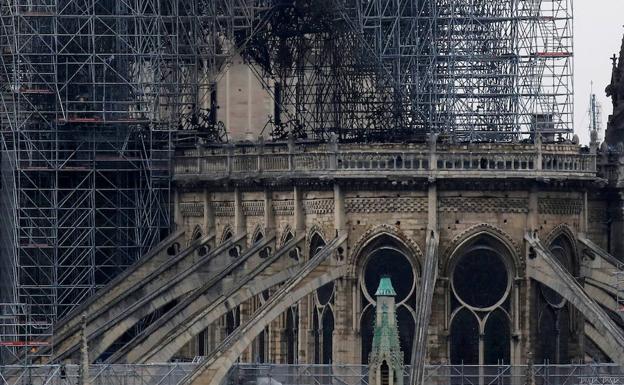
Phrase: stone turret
(615, 90)
(386, 357)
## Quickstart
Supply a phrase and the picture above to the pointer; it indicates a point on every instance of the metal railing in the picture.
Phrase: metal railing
(153, 374)
(546, 374)
(271, 374)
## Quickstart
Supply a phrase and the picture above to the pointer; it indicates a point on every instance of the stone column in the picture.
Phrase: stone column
(340, 219)
(209, 217)
(533, 214)
(246, 310)
(345, 340)
(432, 207)
(277, 342)
(437, 349)
(526, 295)
(239, 217)
(269, 215)
(306, 340)
(528, 328)
(298, 213)
(584, 215)
(177, 213)
(516, 331)
(84, 352)
(216, 333)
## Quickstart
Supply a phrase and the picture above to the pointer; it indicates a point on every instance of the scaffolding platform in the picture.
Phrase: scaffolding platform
(40, 91)
(24, 330)
(70, 102)
(98, 120)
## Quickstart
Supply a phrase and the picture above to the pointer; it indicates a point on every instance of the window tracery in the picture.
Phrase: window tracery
(388, 260)
(480, 304)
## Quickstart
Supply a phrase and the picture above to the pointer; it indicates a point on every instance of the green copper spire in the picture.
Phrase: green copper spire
(385, 288)
(386, 344)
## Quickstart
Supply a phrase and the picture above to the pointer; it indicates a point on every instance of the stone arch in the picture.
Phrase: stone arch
(226, 234)
(315, 229)
(609, 338)
(475, 255)
(557, 320)
(196, 234)
(287, 233)
(214, 369)
(257, 234)
(560, 229)
(376, 233)
(510, 247)
(564, 231)
(385, 247)
(318, 306)
(315, 232)
(151, 349)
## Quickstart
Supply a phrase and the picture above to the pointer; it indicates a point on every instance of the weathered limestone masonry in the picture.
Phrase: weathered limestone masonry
(481, 199)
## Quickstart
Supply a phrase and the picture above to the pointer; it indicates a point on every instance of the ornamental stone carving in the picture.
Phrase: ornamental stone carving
(224, 208)
(253, 208)
(318, 206)
(560, 206)
(192, 209)
(284, 207)
(483, 205)
(385, 205)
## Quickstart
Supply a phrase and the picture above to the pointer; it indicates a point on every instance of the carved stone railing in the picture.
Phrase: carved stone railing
(415, 160)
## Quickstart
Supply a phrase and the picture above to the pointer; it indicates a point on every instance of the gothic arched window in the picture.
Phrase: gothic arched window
(323, 314)
(387, 260)
(480, 322)
(553, 312)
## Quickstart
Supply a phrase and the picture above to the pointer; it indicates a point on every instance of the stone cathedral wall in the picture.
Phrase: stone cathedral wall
(365, 209)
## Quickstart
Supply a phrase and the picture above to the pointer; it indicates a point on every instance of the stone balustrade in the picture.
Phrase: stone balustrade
(495, 160)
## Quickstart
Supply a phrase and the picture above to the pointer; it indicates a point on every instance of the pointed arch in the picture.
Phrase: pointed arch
(257, 234)
(197, 233)
(315, 239)
(372, 237)
(559, 230)
(483, 231)
(564, 236)
(557, 321)
(318, 230)
(385, 250)
(227, 233)
(481, 264)
(287, 235)
(327, 330)
(291, 335)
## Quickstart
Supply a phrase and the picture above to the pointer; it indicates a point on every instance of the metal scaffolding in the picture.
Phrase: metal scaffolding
(176, 373)
(90, 95)
(94, 95)
(22, 333)
(152, 374)
(394, 70)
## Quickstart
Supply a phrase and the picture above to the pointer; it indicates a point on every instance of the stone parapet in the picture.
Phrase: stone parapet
(550, 161)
